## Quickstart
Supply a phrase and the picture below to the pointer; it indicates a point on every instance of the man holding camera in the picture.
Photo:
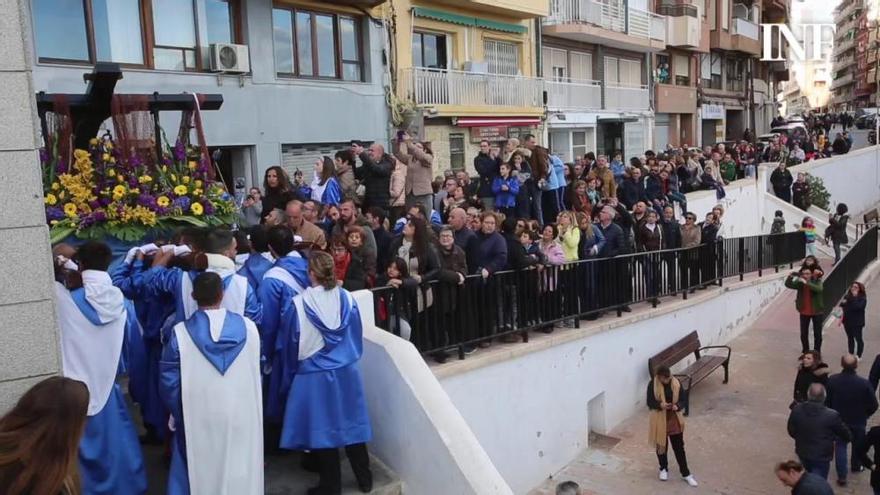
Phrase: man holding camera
(808, 284)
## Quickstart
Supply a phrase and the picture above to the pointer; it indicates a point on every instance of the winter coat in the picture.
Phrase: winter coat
(376, 178)
(781, 179)
(488, 168)
(606, 177)
(397, 185)
(418, 169)
(854, 310)
(800, 195)
(852, 396)
(505, 199)
(671, 234)
(649, 240)
(631, 192)
(691, 236)
(806, 377)
(587, 243)
(814, 287)
(815, 428)
(838, 228)
(491, 253)
(614, 240)
(517, 257)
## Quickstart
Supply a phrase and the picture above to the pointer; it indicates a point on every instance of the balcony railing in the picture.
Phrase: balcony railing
(452, 87)
(612, 15)
(621, 97)
(745, 27)
(571, 95)
(678, 10)
(842, 46)
(842, 81)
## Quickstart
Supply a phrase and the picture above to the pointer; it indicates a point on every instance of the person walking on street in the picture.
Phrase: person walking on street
(853, 305)
(811, 370)
(871, 441)
(814, 429)
(853, 397)
(837, 229)
(793, 475)
(664, 400)
(808, 283)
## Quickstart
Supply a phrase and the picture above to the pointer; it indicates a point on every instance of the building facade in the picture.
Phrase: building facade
(465, 71)
(315, 78)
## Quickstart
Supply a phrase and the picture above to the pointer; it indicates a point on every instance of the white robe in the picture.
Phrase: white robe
(224, 451)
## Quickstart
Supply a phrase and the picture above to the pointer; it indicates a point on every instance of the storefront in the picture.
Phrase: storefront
(712, 116)
(572, 135)
(457, 141)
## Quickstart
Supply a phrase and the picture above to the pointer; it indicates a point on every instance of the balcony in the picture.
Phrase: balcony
(848, 9)
(844, 62)
(843, 29)
(683, 25)
(675, 99)
(609, 23)
(459, 93)
(621, 97)
(745, 36)
(842, 81)
(842, 47)
(573, 95)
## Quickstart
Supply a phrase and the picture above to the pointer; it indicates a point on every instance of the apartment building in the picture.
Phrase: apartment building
(595, 58)
(728, 71)
(465, 71)
(847, 19)
(298, 80)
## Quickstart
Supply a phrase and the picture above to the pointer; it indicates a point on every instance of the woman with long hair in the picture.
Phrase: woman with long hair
(39, 439)
(853, 305)
(837, 229)
(278, 191)
(665, 400)
(811, 370)
(325, 185)
(415, 248)
(569, 234)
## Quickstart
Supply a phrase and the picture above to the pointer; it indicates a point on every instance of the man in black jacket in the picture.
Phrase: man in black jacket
(375, 174)
(853, 397)
(839, 146)
(792, 475)
(465, 238)
(815, 428)
(375, 216)
(488, 165)
(613, 274)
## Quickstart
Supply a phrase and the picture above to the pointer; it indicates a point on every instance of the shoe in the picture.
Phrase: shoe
(857, 470)
(841, 482)
(365, 484)
(690, 480)
(664, 475)
(469, 349)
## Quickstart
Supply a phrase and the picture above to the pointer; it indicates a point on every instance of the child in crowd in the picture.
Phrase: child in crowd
(809, 230)
(505, 187)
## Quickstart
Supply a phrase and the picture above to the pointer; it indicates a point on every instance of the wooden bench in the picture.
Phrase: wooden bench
(696, 372)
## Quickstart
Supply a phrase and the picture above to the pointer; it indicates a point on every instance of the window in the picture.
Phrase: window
(681, 66)
(90, 31)
(710, 70)
(725, 14)
(555, 64)
(429, 51)
(622, 72)
(456, 151)
(578, 144)
(503, 57)
(661, 71)
(735, 69)
(315, 44)
(581, 66)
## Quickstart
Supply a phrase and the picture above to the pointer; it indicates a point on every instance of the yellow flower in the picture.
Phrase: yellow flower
(163, 201)
(164, 168)
(70, 209)
(112, 159)
(145, 179)
(61, 195)
(108, 146)
(93, 141)
(119, 192)
(173, 178)
(197, 183)
(80, 154)
(106, 157)
(193, 165)
(53, 222)
(180, 190)
(50, 199)
(111, 172)
(56, 186)
(197, 209)
(197, 192)
(120, 178)
(185, 179)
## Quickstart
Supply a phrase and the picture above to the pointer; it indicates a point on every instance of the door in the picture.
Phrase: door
(661, 131)
(634, 139)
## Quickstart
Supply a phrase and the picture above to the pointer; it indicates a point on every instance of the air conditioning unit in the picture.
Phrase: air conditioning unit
(226, 57)
(479, 67)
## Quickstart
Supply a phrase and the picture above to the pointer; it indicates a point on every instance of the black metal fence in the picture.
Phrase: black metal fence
(848, 269)
(440, 317)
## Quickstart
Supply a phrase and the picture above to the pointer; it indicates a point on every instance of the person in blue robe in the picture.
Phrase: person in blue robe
(326, 408)
(259, 261)
(210, 381)
(325, 187)
(96, 326)
(287, 278)
(219, 249)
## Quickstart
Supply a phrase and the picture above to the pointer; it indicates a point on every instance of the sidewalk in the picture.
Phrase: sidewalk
(736, 432)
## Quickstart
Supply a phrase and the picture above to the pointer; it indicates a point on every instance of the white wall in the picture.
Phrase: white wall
(531, 412)
(853, 178)
(417, 431)
(741, 217)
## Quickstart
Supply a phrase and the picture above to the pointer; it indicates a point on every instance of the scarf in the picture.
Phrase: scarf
(657, 427)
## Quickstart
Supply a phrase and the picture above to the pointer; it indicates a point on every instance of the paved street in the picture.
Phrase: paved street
(736, 432)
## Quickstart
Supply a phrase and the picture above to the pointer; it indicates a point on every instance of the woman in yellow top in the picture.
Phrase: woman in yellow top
(569, 234)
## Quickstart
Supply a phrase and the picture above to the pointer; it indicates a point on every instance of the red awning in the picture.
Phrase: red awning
(497, 121)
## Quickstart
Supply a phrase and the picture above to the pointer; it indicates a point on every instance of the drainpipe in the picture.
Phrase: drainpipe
(751, 81)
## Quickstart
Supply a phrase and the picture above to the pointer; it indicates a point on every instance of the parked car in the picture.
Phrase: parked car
(794, 130)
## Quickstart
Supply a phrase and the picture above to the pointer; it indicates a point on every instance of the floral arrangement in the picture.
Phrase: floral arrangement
(102, 193)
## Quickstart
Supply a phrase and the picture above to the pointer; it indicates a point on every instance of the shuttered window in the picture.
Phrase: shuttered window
(502, 57)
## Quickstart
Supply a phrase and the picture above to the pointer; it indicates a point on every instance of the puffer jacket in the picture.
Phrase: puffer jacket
(815, 428)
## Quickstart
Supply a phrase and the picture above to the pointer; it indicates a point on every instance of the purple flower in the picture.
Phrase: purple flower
(54, 213)
(61, 167)
(104, 201)
(94, 205)
(132, 182)
(208, 207)
(147, 200)
(44, 155)
(182, 203)
(179, 151)
(100, 216)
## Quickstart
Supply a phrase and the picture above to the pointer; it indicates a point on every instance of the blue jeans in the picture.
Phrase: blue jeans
(858, 435)
(819, 468)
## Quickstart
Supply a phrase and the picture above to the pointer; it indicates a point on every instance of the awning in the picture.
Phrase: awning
(439, 15)
(497, 121)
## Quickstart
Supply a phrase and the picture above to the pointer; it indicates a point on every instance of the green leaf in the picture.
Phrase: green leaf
(191, 220)
(59, 233)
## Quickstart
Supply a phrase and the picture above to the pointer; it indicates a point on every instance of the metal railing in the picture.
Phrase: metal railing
(848, 269)
(612, 15)
(453, 87)
(745, 27)
(678, 9)
(441, 316)
(573, 94)
(620, 97)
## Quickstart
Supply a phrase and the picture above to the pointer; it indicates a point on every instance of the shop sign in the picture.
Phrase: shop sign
(712, 111)
(490, 133)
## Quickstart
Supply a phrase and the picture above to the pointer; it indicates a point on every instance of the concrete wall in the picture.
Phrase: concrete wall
(532, 412)
(28, 342)
(853, 178)
(741, 216)
(417, 431)
(261, 110)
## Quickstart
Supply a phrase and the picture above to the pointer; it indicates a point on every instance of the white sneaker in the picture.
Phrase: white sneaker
(664, 475)
(691, 481)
